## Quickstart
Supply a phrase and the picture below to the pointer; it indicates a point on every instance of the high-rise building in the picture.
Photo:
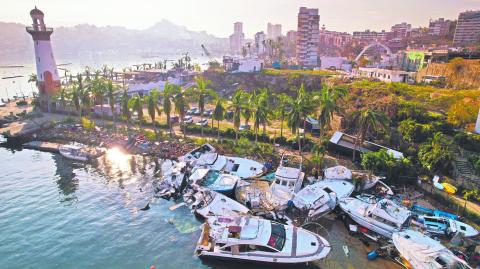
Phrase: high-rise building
(439, 27)
(260, 43)
(308, 37)
(48, 80)
(237, 38)
(274, 31)
(291, 43)
(468, 28)
(366, 35)
(333, 38)
(401, 30)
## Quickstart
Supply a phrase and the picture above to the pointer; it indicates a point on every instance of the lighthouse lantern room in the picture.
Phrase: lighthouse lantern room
(48, 81)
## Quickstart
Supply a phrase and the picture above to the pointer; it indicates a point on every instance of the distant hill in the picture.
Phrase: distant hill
(85, 40)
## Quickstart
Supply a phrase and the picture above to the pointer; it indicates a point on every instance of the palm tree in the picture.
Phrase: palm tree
(261, 111)
(76, 92)
(125, 109)
(236, 105)
(168, 92)
(136, 104)
(367, 120)
(247, 99)
(97, 87)
(200, 91)
(62, 98)
(218, 114)
(301, 106)
(152, 107)
(111, 101)
(85, 100)
(284, 102)
(181, 106)
(328, 105)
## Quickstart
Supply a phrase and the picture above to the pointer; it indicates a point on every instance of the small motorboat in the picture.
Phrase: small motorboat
(209, 203)
(255, 240)
(446, 226)
(423, 252)
(240, 167)
(421, 210)
(172, 179)
(383, 217)
(215, 180)
(322, 197)
(74, 152)
(257, 194)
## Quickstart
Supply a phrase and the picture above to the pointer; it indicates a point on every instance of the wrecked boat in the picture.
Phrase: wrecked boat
(209, 203)
(214, 180)
(446, 226)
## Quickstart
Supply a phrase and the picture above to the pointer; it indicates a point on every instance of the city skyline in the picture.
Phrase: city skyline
(369, 14)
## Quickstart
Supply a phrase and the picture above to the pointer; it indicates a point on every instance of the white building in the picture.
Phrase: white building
(242, 65)
(385, 75)
(237, 39)
(338, 63)
(308, 37)
(48, 80)
(274, 31)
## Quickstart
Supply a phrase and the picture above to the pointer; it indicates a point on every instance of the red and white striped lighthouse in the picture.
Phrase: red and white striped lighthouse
(48, 81)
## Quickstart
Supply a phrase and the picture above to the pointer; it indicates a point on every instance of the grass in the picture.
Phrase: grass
(282, 72)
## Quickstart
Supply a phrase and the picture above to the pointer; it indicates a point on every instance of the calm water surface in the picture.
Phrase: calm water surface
(55, 213)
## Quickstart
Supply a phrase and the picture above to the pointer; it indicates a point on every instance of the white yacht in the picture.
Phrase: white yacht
(209, 203)
(337, 172)
(74, 152)
(217, 181)
(289, 175)
(251, 239)
(384, 217)
(422, 252)
(322, 197)
(172, 178)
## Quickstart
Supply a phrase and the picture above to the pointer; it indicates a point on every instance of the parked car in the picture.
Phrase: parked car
(192, 111)
(2, 104)
(208, 113)
(244, 127)
(188, 119)
(203, 122)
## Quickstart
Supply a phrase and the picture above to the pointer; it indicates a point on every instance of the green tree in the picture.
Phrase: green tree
(383, 162)
(328, 105)
(125, 108)
(365, 121)
(97, 87)
(236, 104)
(168, 93)
(201, 92)
(436, 154)
(152, 107)
(301, 107)
(136, 104)
(76, 96)
(218, 114)
(283, 104)
(111, 101)
(247, 101)
(181, 106)
(261, 110)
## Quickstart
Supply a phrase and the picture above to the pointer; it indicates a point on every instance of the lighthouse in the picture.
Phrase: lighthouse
(48, 81)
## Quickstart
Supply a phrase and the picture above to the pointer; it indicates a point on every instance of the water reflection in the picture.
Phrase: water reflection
(66, 180)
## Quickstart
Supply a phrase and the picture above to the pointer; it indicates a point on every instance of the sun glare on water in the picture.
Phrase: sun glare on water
(118, 159)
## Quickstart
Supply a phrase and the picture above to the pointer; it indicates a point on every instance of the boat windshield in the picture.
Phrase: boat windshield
(277, 238)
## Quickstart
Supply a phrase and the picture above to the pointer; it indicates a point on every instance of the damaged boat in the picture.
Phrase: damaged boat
(251, 239)
(209, 203)
(446, 226)
(322, 197)
(423, 252)
(384, 217)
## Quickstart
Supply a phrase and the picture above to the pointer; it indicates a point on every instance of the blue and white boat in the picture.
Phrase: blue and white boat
(215, 180)
(433, 212)
(446, 226)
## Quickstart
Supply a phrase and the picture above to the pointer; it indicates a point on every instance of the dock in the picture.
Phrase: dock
(42, 146)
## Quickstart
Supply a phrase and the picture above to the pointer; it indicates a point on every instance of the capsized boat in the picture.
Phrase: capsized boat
(241, 167)
(172, 178)
(384, 217)
(215, 180)
(209, 203)
(251, 239)
(197, 153)
(289, 175)
(421, 210)
(74, 152)
(422, 252)
(322, 197)
(446, 226)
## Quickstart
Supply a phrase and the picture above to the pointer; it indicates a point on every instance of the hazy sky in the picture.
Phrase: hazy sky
(217, 16)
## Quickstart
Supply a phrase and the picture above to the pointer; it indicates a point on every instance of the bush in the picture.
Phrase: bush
(22, 103)
(384, 163)
(87, 124)
(468, 141)
(475, 160)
